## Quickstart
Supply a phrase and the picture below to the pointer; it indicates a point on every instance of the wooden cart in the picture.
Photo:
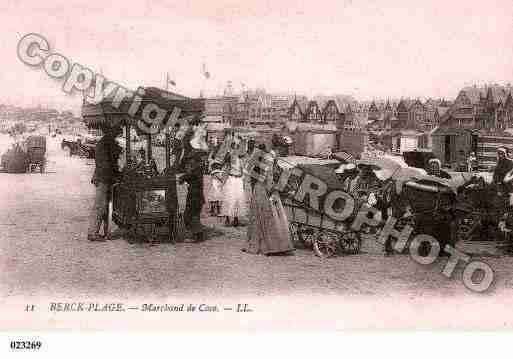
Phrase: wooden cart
(311, 228)
(141, 201)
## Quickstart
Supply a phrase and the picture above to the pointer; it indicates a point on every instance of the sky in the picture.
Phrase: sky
(369, 49)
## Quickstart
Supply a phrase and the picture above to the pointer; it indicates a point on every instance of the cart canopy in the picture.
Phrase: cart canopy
(106, 114)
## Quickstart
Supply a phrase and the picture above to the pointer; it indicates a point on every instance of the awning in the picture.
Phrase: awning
(105, 113)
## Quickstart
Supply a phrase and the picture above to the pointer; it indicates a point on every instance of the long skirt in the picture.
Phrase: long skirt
(234, 198)
(213, 188)
(268, 230)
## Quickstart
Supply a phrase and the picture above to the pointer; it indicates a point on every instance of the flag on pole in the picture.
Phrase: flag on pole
(205, 72)
(169, 80)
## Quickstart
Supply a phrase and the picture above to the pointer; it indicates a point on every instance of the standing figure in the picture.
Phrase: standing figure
(268, 228)
(215, 194)
(472, 162)
(504, 165)
(195, 198)
(105, 174)
(193, 159)
(234, 198)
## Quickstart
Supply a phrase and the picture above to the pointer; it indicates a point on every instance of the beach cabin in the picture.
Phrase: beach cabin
(405, 140)
(453, 145)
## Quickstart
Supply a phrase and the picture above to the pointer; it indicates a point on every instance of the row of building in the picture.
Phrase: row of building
(257, 108)
(479, 120)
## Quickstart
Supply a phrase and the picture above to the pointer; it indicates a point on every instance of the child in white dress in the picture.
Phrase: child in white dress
(234, 203)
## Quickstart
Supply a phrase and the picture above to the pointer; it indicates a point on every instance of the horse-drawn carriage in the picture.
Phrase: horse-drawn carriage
(81, 146)
(26, 156)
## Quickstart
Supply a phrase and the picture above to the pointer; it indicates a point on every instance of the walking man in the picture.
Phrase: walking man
(105, 174)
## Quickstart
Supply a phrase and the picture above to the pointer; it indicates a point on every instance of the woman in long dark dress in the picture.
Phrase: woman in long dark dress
(268, 231)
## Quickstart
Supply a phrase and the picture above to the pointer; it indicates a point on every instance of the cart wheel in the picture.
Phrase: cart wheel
(307, 234)
(325, 244)
(350, 242)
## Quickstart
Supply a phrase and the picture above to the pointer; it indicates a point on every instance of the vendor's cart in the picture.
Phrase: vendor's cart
(309, 227)
(314, 228)
(145, 199)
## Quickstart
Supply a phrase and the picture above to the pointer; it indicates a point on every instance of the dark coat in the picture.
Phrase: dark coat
(106, 161)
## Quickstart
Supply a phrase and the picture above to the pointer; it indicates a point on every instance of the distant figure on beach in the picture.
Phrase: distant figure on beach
(472, 162)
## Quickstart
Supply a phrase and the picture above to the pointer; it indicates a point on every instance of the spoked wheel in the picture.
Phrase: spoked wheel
(325, 245)
(351, 242)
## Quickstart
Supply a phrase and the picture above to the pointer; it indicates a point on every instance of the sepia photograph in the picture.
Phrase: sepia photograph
(255, 166)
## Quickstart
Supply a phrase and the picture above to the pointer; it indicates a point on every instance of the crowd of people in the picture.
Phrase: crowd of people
(236, 198)
(235, 195)
(232, 195)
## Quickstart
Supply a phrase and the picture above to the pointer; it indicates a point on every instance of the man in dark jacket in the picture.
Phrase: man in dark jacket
(105, 174)
(195, 196)
(193, 164)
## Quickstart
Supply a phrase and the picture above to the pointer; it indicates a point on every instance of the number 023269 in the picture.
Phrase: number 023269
(26, 345)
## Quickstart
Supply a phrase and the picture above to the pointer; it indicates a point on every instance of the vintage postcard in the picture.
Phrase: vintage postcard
(254, 165)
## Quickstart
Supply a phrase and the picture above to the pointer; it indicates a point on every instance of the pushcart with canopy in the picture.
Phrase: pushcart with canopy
(145, 198)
